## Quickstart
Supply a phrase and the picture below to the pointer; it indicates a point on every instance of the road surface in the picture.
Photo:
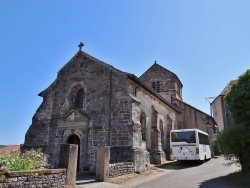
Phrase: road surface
(208, 175)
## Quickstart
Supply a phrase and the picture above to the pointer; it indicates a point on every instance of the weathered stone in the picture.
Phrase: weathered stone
(31, 178)
(102, 163)
(68, 159)
(93, 104)
(118, 169)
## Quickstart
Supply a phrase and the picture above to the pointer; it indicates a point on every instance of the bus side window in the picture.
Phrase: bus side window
(203, 139)
(192, 138)
(207, 140)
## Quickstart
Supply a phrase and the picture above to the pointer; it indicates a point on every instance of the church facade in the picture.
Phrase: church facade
(93, 104)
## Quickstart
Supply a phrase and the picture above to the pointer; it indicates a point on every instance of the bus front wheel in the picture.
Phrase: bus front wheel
(203, 160)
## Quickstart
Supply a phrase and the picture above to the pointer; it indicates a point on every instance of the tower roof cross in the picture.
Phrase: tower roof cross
(80, 46)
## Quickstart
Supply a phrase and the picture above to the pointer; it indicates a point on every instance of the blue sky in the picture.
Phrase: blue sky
(206, 43)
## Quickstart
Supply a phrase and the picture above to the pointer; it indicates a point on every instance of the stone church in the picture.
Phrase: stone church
(93, 104)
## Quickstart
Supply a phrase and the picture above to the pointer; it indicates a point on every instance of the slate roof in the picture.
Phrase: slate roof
(145, 86)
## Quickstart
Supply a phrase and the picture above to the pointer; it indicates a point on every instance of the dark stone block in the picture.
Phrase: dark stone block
(120, 154)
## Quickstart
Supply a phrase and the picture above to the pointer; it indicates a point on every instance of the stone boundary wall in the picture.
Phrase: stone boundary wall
(119, 169)
(34, 178)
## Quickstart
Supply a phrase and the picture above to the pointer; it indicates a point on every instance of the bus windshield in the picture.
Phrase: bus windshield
(188, 137)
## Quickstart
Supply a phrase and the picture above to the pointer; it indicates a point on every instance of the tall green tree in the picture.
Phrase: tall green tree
(238, 98)
(236, 140)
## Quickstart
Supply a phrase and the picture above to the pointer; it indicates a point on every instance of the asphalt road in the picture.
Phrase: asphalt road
(207, 175)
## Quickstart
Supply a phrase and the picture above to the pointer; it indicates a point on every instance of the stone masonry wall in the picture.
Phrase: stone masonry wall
(34, 178)
(121, 133)
(41, 121)
(168, 81)
(147, 101)
(120, 169)
(106, 103)
(218, 114)
(105, 113)
(121, 120)
(194, 118)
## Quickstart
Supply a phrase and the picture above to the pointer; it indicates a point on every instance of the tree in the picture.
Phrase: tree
(238, 98)
(236, 140)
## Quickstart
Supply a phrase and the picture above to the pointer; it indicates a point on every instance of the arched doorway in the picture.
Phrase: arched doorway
(74, 139)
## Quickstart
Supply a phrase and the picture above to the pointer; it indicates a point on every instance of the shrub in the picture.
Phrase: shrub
(235, 142)
(29, 160)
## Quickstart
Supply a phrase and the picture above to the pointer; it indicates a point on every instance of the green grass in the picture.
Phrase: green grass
(239, 179)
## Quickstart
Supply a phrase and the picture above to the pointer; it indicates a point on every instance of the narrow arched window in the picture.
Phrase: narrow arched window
(143, 126)
(162, 133)
(79, 99)
(158, 88)
(153, 85)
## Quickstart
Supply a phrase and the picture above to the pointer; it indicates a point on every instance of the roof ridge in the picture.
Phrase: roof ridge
(228, 87)
(155, 63)
(145, 86)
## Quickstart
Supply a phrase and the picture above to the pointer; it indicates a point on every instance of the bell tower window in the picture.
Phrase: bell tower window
(156, 86)
(153, 85)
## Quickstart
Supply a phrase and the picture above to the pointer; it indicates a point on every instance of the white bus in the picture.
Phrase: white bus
(189, 144)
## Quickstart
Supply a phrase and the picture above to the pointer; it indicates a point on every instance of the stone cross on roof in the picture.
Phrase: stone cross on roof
(80, 46)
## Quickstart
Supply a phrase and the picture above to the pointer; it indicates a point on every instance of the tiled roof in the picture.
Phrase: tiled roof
(8, 149)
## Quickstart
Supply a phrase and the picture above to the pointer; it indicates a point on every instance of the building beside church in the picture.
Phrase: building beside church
(92, 104)
(220, 109)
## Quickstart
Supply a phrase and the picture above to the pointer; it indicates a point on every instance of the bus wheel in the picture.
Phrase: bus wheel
(203, 160)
